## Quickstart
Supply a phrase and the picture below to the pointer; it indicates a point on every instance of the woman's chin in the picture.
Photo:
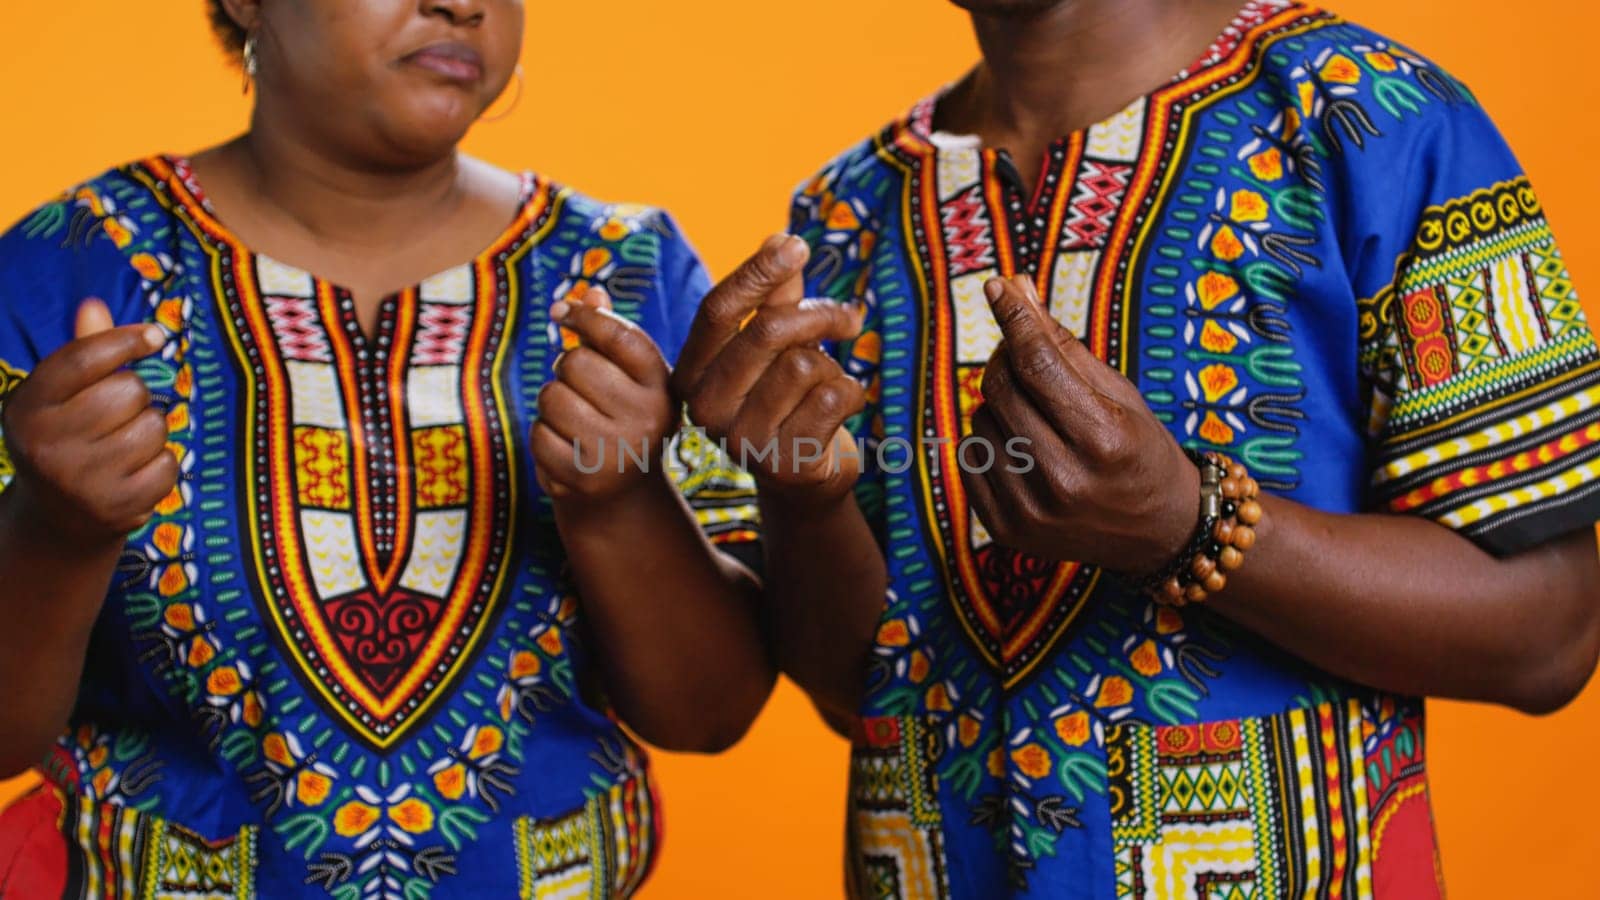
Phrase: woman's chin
(428, 138)
(429, 132)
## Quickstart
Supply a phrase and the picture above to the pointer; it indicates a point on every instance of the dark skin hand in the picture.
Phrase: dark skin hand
(610, 393)
(91, 464)
(1398, 603)
(753, 377)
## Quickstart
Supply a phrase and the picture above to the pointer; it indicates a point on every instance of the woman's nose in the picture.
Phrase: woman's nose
(459, 12)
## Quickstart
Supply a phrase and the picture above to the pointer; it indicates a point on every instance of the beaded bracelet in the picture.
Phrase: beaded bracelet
(1229, 511)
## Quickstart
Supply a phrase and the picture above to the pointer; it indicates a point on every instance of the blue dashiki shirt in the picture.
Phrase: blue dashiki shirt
(1311, 251)
(345, 657)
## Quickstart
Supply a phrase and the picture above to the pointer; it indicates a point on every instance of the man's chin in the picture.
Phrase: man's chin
(1018, 9)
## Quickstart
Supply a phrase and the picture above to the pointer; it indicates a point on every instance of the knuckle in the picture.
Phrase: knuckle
(1033, 359)
(767, 329)
(996, 384)
(830, 399)
(798, 362)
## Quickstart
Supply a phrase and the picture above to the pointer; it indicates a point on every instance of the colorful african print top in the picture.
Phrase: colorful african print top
(345, 657)
(1311, 251)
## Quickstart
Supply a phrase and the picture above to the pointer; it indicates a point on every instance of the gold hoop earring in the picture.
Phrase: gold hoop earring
(516, 99)
(251, 63)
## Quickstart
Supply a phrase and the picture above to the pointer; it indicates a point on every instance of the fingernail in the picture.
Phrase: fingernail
(994, 289)
(793, 252)
(559, 310)
(154, 336)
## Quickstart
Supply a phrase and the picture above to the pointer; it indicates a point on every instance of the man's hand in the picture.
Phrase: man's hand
(1109, 485)
(90, 450)
(607, 413)
(753, 377)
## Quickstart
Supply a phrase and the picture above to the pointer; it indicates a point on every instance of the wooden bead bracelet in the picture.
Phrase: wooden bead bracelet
(1229, 512)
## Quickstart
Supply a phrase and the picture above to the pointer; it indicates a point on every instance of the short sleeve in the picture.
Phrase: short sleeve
(722, 496)
(842, 233)
(1486, 381)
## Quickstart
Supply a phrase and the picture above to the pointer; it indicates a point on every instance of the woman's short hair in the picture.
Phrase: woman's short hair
(228, 31)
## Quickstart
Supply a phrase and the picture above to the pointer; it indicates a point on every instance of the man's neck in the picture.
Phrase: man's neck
(1061, 69)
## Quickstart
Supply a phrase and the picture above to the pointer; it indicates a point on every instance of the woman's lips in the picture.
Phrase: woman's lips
(456, 62)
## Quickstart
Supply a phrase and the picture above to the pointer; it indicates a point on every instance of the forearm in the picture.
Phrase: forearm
(1406, 605)
(826, 586)
(50, 597)
(676, 621)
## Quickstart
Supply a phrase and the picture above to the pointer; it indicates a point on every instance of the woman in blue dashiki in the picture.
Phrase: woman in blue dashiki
(1118, 671)
(369, 641)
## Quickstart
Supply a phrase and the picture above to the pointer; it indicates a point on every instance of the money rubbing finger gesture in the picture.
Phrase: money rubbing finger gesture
(1109, 485)
(89, 448)
(753, 376)
(606, 414)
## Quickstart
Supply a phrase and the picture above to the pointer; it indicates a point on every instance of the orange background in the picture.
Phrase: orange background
(716, 109)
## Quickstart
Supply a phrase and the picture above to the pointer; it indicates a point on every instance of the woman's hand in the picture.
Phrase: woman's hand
(1108, 485)
(89, 449)
(755, 379)
(606, 415)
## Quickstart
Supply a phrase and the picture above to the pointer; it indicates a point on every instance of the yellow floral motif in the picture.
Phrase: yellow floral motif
(525, 664)
(1249, 206)
(1032, 760)
(180, 616)
(842, 218)
(252, 711)
(1225, 244)
(1381, 61)
(312, 787)
(918, 669)
(1215, 430)
(118, 232)
(413, 815)
(489, 740)
(967, 730)
(550, 642)
(224, 682)
(148, 267)
(996, 763)
(1114, 691)
(276, 749)
(201, 652)
(1214, 289)
(1217, 381)
(173, 581)
(1267, 165)
(1341, 69)
(939, 698)
(451, 782)
(893, 633)
(1074, 728)
(353, 818)
(1146, 659)
(1217, 339)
